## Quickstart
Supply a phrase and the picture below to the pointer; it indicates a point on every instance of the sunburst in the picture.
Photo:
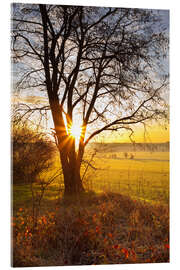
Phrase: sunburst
(75, 131)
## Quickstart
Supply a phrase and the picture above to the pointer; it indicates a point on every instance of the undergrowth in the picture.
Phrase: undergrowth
(102, 229)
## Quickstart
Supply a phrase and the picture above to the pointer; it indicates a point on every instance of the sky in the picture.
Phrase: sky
(154, 132)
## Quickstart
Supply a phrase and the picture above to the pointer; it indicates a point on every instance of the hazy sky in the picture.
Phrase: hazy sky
(155, 133)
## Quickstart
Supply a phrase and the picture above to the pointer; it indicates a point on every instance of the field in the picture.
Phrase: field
(144, 175)
(124, 217)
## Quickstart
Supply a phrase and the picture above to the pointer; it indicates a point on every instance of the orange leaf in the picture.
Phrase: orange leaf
(125, 251)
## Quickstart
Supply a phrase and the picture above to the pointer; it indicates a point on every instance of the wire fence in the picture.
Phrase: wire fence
(148, 186)
(143, 188)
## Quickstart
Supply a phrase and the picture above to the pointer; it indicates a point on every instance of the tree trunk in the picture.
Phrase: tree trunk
(66, 143)
(73, 186)
(68, 156)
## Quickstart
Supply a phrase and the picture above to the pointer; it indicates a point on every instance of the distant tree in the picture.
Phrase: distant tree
(100, 63)
(125, 154)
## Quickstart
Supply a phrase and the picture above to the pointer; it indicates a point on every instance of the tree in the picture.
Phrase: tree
(102, 64)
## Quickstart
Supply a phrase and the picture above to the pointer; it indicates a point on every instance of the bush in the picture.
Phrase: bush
(31, 153)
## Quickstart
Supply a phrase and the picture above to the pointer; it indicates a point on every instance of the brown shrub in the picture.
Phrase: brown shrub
(31, 153)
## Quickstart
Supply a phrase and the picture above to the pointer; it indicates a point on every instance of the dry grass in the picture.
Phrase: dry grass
(101, 229)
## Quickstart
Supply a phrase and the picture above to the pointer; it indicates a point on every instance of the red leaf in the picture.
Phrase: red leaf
(125, 251)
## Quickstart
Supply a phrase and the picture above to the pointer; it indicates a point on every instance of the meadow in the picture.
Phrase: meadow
(123, 218)
(144, 175)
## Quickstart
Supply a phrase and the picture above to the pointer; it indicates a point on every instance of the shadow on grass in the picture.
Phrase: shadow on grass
(22, 196)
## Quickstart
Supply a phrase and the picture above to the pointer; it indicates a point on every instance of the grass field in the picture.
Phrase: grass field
(123, 218)
(146, 177)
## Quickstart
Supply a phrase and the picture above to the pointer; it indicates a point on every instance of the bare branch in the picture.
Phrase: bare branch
(123, 121)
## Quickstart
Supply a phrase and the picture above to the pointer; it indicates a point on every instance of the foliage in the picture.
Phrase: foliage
(32, 153)
(104, 229)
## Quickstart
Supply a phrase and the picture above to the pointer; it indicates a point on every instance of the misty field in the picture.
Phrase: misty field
(141, 175)
(144, 175)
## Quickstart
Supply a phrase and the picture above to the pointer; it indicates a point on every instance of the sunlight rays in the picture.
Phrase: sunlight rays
(75, 131)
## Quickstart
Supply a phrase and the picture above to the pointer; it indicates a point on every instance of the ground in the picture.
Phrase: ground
(123, 217)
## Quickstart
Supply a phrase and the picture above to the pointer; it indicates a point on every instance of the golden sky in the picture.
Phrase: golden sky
(154, 134)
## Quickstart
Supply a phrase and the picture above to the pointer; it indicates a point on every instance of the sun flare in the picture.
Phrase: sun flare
(75, 131)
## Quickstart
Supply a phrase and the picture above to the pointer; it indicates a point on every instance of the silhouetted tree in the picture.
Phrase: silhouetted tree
(100, 63)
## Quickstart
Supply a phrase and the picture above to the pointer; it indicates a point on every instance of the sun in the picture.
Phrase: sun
(75, 131)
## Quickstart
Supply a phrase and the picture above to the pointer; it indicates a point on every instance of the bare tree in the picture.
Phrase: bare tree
(102, 64)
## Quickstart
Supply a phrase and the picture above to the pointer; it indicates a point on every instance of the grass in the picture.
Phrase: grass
(124, 220)
(103, 229)
(146, 176)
